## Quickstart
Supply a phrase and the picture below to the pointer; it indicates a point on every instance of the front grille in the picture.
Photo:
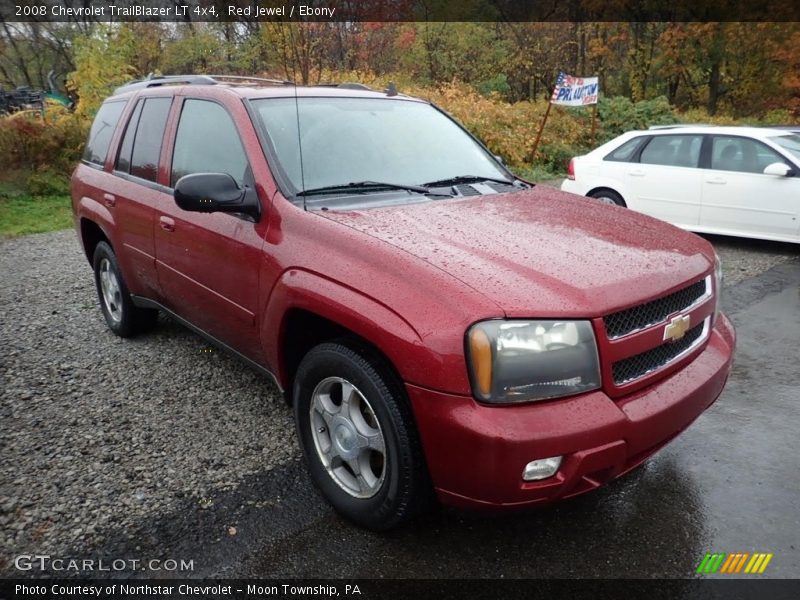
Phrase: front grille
(640, 365)
(639, 317)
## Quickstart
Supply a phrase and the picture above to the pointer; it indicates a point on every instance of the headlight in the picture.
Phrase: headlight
(717, 286)
(518, 361)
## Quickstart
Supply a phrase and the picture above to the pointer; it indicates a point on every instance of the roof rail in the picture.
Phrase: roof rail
(391, 89)
(678, 126)
(243, 79)
(347, 85)
(159, 80)
(354, 85)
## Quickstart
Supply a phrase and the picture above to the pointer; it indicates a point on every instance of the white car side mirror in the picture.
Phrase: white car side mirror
(779, 169)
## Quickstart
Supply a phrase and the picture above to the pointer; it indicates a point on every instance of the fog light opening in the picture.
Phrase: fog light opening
(543, 468)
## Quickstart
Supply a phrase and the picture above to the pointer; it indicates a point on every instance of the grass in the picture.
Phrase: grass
(537, 174)
(21, 214)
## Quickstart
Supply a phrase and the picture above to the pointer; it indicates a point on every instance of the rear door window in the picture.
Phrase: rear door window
(102, 129)
(141, 147)
(207, 142)
(149, 135)
(673, 150)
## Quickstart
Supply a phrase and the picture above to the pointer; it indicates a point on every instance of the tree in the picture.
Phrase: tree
(788, 54)
(103, 60)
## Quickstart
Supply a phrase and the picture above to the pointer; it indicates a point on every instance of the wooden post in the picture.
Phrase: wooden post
(594, 121)
(539, 135)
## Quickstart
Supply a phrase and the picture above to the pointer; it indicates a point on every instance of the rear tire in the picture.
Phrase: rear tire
(122, 316)
(358, 436)
(608, 197)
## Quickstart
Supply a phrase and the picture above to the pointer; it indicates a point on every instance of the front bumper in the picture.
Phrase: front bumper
(476, 453)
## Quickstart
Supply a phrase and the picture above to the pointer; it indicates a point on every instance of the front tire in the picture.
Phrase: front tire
(122, 316)
(359, 437)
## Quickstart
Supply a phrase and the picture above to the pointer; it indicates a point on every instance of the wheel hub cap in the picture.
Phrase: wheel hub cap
(348, 437)
(110, 290)
(345, 437)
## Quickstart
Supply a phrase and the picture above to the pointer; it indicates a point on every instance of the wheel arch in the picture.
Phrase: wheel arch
(306, 309)
(302, 330)
(607, 188)
(91, 235)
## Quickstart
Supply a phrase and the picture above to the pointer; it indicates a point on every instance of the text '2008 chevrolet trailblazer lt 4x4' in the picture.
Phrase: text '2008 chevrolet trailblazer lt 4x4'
(437, 324)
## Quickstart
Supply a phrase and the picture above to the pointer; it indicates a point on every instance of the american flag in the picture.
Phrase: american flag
(562, 80)
(574, 91)
(565, 80)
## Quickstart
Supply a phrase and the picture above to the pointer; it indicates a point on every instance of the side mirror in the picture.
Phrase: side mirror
(214, 192)
(779, 169)
(499, 159)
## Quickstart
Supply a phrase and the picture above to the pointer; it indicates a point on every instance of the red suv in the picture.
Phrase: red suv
(437, 323)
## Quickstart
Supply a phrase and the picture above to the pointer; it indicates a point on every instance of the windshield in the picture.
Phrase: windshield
(346, 140)
(789, 142)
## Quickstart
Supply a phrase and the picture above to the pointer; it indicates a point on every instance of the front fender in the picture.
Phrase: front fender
(388, 331)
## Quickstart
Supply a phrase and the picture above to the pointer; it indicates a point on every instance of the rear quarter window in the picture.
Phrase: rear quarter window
(625, 152)
(101, 132)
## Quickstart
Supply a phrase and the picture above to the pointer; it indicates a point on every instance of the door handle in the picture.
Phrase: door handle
(717, 181)
(109, 200)
(636, 173)
(166, 223)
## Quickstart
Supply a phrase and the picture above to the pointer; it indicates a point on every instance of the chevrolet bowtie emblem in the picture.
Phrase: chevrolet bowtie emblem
(677, 328)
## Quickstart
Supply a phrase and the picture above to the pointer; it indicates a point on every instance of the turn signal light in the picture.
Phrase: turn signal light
(481, 356)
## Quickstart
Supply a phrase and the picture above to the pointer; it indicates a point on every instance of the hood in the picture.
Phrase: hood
(542, 252)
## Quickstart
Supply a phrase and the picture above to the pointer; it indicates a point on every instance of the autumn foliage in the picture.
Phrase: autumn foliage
(495, 78)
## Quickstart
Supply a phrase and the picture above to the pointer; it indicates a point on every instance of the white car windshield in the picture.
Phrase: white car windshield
(790, 142)
(348, 140)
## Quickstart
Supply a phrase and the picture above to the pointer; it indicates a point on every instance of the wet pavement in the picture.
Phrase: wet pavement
(730, 483)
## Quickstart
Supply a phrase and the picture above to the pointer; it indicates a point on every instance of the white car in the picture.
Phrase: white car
(741, 181)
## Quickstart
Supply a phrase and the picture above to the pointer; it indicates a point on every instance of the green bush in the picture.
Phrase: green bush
(497, 84)
(32, 141)
(618, 115)
(556, 156)
(46, 182)
(779, 116)
(538, 173)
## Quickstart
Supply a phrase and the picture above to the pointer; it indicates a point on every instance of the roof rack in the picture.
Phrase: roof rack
(391, 89)
(348, 85)
(160, 80)
(678, 126)
(243, 79)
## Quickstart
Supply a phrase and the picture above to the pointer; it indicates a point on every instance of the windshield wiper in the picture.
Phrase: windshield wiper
(363, 186)
(466, 179)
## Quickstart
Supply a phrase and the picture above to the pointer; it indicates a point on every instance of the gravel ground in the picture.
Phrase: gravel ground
(742, 259)
(101, 434)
